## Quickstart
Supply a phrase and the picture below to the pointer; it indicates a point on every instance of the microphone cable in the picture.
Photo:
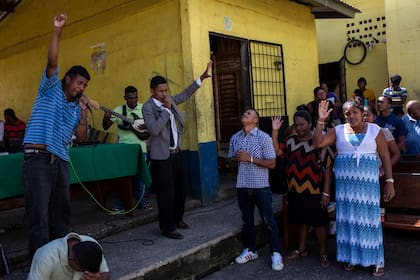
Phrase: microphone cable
(105, 209)
(94, 199)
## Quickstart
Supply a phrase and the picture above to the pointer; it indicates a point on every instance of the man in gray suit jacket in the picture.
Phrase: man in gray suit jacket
(168, 169)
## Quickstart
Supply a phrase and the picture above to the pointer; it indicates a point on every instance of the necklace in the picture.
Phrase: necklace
(359, 130)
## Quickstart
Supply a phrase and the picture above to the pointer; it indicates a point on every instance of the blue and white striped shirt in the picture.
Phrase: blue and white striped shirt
(259, 145)
(53, 118)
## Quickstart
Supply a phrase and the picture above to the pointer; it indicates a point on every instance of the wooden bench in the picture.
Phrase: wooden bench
(403, 211)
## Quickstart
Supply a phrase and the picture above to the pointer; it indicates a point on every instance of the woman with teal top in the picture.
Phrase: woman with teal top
(356, 169)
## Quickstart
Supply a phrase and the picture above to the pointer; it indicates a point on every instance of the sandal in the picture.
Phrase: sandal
(378, 271)
(349, 267)
(325, 262)
(296, 254)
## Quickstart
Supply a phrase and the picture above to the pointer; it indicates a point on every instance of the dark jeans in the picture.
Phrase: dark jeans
(47, 198)
(262, 198)
(170, 182)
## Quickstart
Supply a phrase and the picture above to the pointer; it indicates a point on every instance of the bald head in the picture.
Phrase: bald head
(413, 109)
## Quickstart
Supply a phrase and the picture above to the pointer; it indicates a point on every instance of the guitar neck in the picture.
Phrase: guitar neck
(115, 114)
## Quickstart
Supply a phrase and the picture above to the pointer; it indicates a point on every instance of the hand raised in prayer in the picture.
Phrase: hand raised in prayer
(60, 20)
(323, 111)
(276, 122)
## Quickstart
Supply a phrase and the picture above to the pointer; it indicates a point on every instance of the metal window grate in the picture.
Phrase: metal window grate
(267, 78)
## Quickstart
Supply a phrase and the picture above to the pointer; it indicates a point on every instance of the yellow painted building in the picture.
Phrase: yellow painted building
(272, 43)
(390, 31)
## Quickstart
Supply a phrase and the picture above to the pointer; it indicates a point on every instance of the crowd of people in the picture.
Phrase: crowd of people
(327, 141)
(329, 149)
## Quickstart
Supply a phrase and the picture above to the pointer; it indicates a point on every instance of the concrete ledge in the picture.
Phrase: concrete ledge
(200, 260)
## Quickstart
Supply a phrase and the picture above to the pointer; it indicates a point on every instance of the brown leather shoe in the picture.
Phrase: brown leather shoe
(183, 225)
(173, 234)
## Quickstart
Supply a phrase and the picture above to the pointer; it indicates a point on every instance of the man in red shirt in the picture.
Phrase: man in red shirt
(14, 130)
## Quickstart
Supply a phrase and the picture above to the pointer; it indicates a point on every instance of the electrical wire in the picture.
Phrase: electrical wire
(106, 210)
(145, 242)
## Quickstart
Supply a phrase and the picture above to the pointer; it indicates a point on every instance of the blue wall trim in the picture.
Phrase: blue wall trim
(203, 171)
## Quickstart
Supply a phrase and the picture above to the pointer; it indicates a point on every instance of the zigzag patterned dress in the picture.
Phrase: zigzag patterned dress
(305, 181)
(356, 168)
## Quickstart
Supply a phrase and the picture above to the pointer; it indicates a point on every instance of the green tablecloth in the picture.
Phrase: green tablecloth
(100, 162)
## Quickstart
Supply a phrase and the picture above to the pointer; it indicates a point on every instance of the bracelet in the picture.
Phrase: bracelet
(390, 180)
(325, 194)
(252, 160)
(322, 123)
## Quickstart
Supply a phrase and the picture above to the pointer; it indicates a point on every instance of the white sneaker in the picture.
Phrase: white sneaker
(246, 256)
(276, 261)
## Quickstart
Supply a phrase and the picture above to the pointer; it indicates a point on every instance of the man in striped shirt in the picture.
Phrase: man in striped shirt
(397, 93)
(60, 108)
(253, 149)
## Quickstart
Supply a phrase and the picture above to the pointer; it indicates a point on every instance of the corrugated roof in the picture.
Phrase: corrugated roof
(329, 8)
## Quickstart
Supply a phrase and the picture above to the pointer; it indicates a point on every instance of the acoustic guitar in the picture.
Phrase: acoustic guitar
(136, 124)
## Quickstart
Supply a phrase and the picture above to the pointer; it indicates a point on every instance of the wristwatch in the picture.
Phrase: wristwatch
(390, 180)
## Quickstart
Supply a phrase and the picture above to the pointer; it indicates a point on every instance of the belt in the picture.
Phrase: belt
(35, 151)
(174, 151)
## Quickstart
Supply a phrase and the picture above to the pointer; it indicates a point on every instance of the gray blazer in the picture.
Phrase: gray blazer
(159, 125)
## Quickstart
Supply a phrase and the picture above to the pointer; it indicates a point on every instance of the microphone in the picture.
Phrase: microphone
(88, 106)
(80, 95)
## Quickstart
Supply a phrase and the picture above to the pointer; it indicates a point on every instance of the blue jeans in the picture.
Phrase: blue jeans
(262, 198)
(47, 198)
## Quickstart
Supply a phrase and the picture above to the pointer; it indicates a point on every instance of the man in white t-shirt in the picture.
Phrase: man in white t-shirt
(71, 257)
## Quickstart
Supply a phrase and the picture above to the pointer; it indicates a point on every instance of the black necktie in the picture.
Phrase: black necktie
(171, 139)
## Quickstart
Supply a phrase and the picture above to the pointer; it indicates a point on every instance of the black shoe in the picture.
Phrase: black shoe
(173, 234)
(183, 225)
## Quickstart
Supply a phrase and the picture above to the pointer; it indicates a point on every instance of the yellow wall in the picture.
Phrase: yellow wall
(282, 22)
(144, 38)
(141, 40)
(403, 41)
(332, 39)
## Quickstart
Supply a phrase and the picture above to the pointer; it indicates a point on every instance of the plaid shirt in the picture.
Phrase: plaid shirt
(259, 145)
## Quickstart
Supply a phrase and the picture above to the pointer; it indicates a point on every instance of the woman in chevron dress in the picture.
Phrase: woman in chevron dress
(356, 168)
(308, 187)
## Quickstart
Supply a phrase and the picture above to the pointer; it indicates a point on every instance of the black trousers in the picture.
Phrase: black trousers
(46, 181)
(169, 179)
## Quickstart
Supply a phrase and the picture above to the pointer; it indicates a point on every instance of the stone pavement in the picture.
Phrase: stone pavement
(135, 249)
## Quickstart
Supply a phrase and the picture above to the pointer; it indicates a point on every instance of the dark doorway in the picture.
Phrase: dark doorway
(334, 74)
(231, 90)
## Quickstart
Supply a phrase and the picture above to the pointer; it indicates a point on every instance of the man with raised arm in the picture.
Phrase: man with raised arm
(60, 109)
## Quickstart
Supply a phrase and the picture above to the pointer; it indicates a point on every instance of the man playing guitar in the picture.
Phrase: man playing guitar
(128, 133)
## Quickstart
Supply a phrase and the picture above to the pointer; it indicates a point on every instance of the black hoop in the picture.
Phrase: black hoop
(351, 44)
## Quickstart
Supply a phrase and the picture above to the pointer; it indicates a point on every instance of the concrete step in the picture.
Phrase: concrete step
(133, 245)
(213, 242)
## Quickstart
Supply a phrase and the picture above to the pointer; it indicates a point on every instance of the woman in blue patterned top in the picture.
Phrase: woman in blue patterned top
(356, 168)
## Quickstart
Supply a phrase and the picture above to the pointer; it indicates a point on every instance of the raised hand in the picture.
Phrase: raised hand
(60, 20)
(207, 72)
(323, 111)
(276, 122)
